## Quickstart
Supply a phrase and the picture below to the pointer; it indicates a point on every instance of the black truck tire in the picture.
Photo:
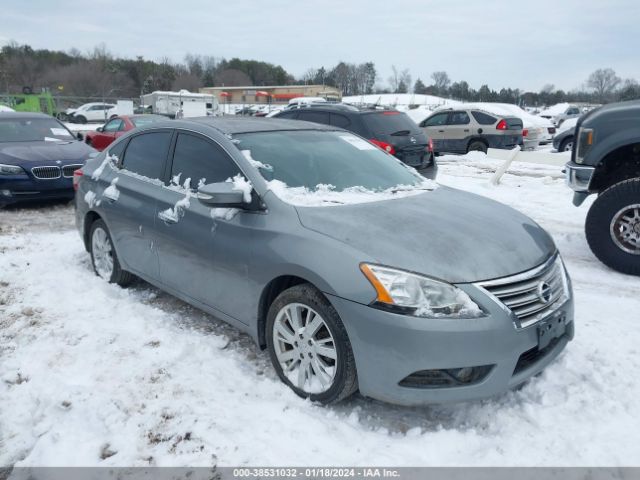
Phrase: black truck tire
(613, 227)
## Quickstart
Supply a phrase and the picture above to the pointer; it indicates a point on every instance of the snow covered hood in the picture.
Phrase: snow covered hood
(44, 152)
(446, 233)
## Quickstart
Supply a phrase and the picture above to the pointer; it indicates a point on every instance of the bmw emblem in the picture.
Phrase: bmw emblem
(544, 292)
(58, 162)
(412, 139)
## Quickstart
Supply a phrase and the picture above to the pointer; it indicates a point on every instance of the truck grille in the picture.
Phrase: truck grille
(46, 173)
(67, 170)
(531, 295)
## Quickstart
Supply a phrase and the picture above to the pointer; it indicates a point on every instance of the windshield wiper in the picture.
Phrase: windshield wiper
(400, 133)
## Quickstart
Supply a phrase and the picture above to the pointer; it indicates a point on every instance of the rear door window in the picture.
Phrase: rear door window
(316, 117)
(483, 118)
(390, 122)
(201, 161)
(459, 118)
(340, 120)
(114, 126)
(146, 154)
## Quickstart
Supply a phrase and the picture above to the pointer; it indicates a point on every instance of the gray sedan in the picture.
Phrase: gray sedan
(355, 272)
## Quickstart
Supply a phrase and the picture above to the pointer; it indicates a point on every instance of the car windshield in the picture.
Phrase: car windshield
(390, 122)
(33, 130)
(314, 159)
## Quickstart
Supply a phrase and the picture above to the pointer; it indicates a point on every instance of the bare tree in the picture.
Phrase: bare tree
(399, 79)
(394, 79)
(603, 81)
(441, 82)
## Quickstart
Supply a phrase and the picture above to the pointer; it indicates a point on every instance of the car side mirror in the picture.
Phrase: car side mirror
(221, 195)
(79, 136)
(100, 129)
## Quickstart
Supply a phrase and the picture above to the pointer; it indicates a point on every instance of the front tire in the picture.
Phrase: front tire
(103, 256)
(81, 119)
(613, 227)
(309, 346)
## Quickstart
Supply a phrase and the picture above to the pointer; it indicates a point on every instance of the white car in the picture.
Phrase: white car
(91, 112)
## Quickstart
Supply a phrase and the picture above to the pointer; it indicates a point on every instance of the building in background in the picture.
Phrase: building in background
(271, 94)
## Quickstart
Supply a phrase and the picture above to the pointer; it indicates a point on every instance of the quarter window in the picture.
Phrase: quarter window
(146, 154)
(114, 126)
(483, 118)
(201, 161)
(340, 120)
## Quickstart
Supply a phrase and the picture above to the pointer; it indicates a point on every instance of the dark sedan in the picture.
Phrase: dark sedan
(38, 156)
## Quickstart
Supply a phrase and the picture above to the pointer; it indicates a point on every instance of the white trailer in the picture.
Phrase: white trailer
(180, 104)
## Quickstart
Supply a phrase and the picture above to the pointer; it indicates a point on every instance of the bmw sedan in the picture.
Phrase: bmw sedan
(354, 271)
(38, 156)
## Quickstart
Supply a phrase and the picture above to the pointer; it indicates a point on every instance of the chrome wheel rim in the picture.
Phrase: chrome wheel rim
(102, 253)
(625, 229)
(305, 348)
(568, 147)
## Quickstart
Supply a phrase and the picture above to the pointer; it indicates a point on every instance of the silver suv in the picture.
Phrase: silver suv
(465, 130)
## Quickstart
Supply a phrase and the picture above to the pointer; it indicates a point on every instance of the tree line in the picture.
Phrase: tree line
(99, 73)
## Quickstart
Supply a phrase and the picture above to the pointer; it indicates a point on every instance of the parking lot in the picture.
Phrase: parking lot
(95, 374)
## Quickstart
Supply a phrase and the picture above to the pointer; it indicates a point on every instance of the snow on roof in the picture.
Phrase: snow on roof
(4, 108)
(395, 99)
(508, 109)
(182, 93)
(554, 110)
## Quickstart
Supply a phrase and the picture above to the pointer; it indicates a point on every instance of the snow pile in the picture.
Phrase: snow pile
(90, 198)
(569, 123)
(325, 195)
(400, 99)
(108, 160)
(257, 164)
(112, 191)
(177, 212)
(419, 114)
(4, 108)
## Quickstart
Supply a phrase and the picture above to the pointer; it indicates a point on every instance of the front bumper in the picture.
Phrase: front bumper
(21, 188)
(389, 347)
(578, 177)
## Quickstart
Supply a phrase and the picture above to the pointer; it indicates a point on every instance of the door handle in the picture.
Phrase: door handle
(168, 217)
(466, 129)
(440, 131)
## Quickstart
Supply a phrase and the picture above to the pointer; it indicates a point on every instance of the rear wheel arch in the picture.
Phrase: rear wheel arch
(89, 218)
(473, 140)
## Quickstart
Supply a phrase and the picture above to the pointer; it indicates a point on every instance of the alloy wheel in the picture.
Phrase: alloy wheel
(305, 348)
(625, 229)
(102, 251)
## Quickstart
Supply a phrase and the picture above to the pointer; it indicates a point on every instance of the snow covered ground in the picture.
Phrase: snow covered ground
(91, 374)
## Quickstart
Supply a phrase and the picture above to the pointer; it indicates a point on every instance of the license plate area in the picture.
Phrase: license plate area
(549, 329)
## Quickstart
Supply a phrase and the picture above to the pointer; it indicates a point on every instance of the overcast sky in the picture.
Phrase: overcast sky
(504, 43)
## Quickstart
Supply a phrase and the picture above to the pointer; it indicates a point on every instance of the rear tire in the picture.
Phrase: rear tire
(330, 335)
(104, 258)
(613, 227)
(81, 119)
(477, 146)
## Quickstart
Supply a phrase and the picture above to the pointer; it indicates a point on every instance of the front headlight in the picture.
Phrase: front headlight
(11, 170)
(418, 295)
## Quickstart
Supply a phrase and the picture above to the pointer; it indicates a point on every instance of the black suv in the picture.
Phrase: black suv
(605, 160)
(390, 130)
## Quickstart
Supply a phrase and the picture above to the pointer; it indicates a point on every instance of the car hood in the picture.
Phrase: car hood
(40, 153)
(448, 234)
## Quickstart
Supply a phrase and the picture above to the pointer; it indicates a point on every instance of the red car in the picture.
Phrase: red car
(116, 127)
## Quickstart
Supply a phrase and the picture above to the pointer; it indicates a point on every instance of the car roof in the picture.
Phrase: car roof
(229, 125)
(142, 115)
(23, 115)
(340, 107)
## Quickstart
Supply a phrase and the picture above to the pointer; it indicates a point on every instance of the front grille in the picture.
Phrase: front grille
(46, 173)
(531, 295)
(67, 170)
